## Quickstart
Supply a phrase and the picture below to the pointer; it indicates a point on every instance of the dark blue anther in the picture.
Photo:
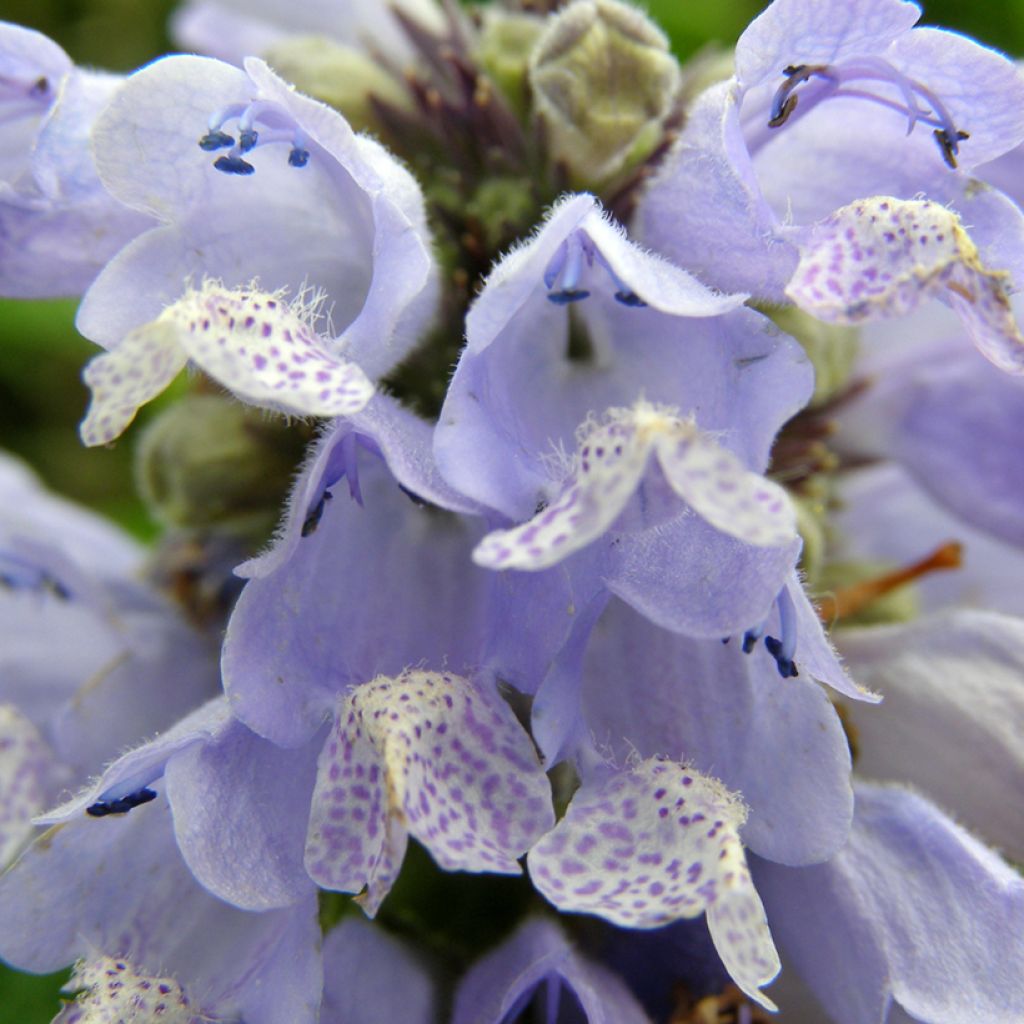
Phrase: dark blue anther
(949, 145)
(783, 649)
(564, 272)
(233, 165)
(259, 123)
(215, 140)
(312, 520)
(18, 573)
(751, 637)
(563, 298)
(122, 805)
(787, 666)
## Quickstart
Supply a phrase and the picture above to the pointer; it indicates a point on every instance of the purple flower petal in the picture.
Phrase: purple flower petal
(262, 348)
(777, 742)
(349, 224)
(29, 777)
(136, 769)
(370, 976)
(884, 257)
(913, 909)
(411, 594)
(653, 844)
(118, 888)
(240, 807)
(953, 714)
(519, 393)
(126, 378)
(112, 989)
(538, 961)
(612, 458)
(430, 755)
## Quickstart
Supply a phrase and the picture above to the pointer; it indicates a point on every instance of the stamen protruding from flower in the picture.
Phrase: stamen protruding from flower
(565, 269)
(120, 805)
(851, 600)
(949, 144)
(259, 124)
(315, 514)
(562, 277)
(233, 165)
(832, 80)
(751, 637)
(17, 573)
(344, 464)
(212, 141)
(783, 648)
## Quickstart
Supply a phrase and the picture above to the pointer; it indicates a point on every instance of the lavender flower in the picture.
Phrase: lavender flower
(579, 660)
(185, 289)
(948, 418)
(233, 31)
(650, 332)
(58, 226)
(115, 895)
(769, 192)
(124, 664)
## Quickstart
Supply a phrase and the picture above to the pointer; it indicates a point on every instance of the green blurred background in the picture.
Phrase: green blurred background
(41, 396)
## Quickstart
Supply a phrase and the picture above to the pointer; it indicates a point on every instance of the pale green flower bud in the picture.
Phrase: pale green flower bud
(209, 461)
(503, 49)
(604, 84)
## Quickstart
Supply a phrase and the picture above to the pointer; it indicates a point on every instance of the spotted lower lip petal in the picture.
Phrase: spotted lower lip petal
(883, 257)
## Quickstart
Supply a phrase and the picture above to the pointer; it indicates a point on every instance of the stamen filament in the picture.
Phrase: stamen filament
(260, 123)
(783, 648)
(789, 105)
(568, 267)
